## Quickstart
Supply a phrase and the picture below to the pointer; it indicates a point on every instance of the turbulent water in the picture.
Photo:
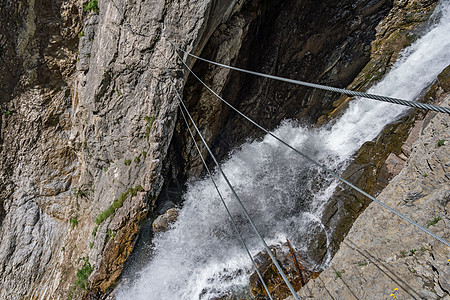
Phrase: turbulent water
(201, 257)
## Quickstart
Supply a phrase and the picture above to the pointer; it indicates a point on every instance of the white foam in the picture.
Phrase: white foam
(201, 255)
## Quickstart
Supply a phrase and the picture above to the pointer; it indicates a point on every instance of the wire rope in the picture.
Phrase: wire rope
(274, 260)
(327, 88)
(331, 172)
(223, 202)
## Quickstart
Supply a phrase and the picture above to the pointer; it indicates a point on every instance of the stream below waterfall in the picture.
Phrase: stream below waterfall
(201, 256)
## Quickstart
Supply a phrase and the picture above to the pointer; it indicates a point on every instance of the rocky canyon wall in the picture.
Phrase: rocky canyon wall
(89, 132)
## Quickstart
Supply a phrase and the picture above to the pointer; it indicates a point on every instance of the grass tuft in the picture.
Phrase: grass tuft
(117, 203)
(434, 221)
(91, 6)
(83, 274)
(74, 222)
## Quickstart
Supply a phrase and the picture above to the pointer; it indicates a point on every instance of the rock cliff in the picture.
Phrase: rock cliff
(90, 142)
(87, 117)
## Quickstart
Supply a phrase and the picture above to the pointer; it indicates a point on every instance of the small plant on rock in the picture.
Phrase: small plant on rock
(74, 222)
(339, 273)
(91, 6)
(149, 121)
(6, 112)
(79, 193)
(441, 143)
(434, 221)
(83, 274)
(94, 231)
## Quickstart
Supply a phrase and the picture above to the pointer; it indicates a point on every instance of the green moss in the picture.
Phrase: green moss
(83, 275)
(127, 162)
(81, 34)
(132, 192)
(104, 215)
(117, 203)
(441, 143)
(137, 159)
(91, 6)
(74, 222)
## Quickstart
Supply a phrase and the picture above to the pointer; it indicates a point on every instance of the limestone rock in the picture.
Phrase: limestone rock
(330, 49)
(394, 164)
(383, 254)
(163, 222)
(369, 170)
(88, 114)
(86, 119)
(395, 32)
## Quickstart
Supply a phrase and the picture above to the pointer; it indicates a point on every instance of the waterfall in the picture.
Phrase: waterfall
(201, 257)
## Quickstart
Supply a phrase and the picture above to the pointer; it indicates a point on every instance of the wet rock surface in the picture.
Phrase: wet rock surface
(319, 42)
(293, 266)
(373, 166)
(396, 31)
(163, 222)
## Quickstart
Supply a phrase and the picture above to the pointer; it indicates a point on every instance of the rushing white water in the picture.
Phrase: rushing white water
(201, 257)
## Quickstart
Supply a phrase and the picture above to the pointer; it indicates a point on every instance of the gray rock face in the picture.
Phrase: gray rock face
(383, 254)
(73, 141)
(37, 166)
(88, 114)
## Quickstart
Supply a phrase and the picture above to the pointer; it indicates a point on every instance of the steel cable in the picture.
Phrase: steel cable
(331, 172)
(327, 88)
(274, 260)
(223, 201)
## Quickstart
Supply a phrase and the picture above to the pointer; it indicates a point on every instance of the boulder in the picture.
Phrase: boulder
(162, 223)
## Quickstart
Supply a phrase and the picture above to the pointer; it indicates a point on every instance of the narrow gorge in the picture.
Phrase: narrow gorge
(94, 148)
